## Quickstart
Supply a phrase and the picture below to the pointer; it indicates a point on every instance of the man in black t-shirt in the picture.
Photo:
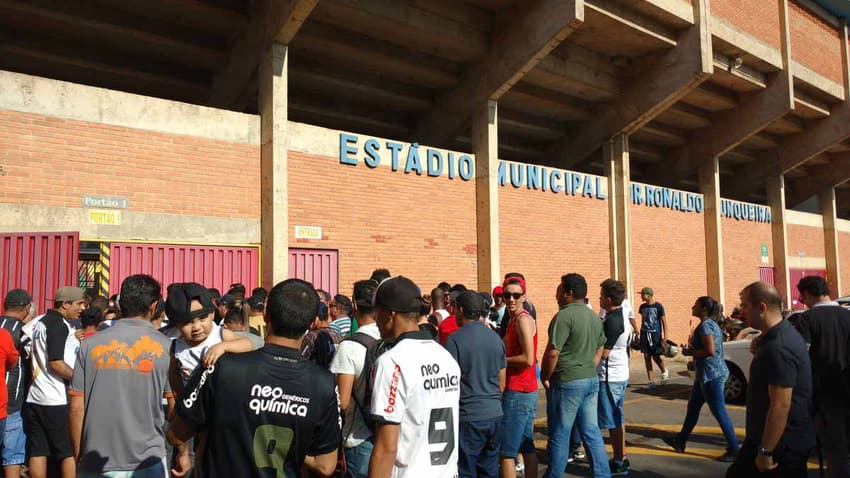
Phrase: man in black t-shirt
(826, 328)
(780, 425)
(269, 412)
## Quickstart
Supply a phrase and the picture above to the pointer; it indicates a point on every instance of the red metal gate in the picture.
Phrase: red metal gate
(317, 266)
(210, 266)
(39, 263)
(767, 274)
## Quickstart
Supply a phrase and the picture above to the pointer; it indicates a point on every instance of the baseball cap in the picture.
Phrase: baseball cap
(17, 298)
(257, 301)
(497, 291)
(179, 302)
(647, 291)
(472, 304)
(69, 294)
(514, 280)
(227, 299)
(398, 294)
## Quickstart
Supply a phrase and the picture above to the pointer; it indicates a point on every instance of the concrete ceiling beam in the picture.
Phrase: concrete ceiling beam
(732, 127)
(676, 73)
(830, 175)
(537, 27)
(274, 20)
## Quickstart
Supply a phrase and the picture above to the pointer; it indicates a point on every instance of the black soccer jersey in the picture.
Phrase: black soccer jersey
(264, 411)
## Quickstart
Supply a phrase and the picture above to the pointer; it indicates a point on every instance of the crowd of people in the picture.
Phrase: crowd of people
(392, 382)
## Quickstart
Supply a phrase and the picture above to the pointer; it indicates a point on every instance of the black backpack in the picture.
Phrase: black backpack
(366, 382)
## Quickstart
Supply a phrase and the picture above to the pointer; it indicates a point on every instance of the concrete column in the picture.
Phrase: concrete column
(776, 201)
(709, 185)
(830, 241)
(616, 159)
(485, 146)
(274, 211)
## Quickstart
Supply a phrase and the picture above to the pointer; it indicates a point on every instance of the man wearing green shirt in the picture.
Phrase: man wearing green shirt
(569, 375)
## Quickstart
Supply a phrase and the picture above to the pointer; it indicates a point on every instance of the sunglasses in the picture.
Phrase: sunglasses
(515, 295)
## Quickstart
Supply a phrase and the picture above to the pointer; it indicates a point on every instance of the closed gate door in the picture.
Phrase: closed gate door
(317, 266)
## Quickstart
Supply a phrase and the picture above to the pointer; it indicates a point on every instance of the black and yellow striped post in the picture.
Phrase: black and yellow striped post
(103, 283)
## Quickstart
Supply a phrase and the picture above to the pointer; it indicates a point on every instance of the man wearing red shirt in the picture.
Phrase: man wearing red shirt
(449, 325)
(8, 360)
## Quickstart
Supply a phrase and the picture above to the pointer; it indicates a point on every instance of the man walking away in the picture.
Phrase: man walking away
(348, 366)
(826, 328)
(54, 352)
(416, 391)
(480, 353)
(17, 308)
(126, 364)
(780, 426)
(269, 412)
(576, 340)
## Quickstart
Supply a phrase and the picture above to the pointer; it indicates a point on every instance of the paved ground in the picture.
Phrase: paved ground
(652, 414)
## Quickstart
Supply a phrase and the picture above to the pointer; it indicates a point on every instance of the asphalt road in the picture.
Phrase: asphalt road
(653, 414)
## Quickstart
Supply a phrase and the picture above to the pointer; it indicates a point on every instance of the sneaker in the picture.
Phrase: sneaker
(520, 470)
(579, 455)
(619, 468)
(651, 385)
(570, 459)
(664, 377)
(727, 457)
(674, 442)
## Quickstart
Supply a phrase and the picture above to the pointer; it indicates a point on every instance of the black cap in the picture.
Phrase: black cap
(473, 305)
(17, 298)
(257, 300)
(179, 302)
(398, 294)
(227, 299)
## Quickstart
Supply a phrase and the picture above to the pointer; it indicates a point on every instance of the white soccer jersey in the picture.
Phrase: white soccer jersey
(417, 385)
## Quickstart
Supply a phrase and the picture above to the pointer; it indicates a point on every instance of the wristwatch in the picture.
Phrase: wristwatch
(762, 451)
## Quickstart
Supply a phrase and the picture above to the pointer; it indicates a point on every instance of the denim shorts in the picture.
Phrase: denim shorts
(518, 410)
(14, 441)
(155, 471)
(610, 407)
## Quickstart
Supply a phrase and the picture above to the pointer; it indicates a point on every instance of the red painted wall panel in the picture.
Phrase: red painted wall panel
(39, 263)
(317, 266)
(210, 266)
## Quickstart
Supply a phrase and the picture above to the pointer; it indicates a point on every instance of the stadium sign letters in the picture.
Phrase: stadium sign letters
(423, 161)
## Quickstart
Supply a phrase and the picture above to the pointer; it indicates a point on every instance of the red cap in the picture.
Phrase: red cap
(498, 291)
(514, 280)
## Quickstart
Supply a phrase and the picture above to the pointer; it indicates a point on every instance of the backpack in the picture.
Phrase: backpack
(324, 349)
(366, 382)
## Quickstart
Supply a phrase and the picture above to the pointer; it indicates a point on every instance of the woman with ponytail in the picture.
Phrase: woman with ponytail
(711, 372)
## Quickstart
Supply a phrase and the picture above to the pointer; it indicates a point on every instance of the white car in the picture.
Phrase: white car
(738, 357)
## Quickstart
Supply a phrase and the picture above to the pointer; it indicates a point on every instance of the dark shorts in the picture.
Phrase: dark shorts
(47, 431)
(650, 343)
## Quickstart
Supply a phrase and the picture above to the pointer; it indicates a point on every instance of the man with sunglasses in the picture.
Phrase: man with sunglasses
(120, 379)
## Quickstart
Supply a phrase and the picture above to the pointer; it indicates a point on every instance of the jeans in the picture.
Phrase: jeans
(791, 464)
(14, 440)
(833, 423)
(572, 403)
(518, 409)
(479, 444)
(710, 392)
(357, 460)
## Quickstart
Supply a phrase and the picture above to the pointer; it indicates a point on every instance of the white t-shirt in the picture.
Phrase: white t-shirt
(189, 358)
(441, 314)
(52, 339)
(349, 360)
(417, 385)
(616, 368)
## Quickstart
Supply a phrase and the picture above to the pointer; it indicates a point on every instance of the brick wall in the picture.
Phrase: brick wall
(758, 18)
(668, 255)
(814, 43)
(805, 240)
(844, 262)
(742, 243)
(546, 235)
(419, 227)
(54, 162)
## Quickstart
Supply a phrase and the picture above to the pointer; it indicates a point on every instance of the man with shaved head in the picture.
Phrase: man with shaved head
(780, 424)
